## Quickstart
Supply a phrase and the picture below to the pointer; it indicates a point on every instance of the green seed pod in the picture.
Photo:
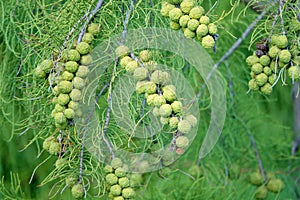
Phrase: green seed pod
(164, 120)
(175, 14)
(188, 33)
(145, 55)
(212, 29)
(73, 105)
(174, 25)
(73, 55)
(165, 9)
(75, 95)
(83, 48)
(86, 59)
(265, 60)
(159, 100)
(281, 41)
(261, 79)
(69, 113)
(271, 79)
(294, 72)
(266, 89)
(60, 118)
(71, 180)
(274, 39)
(196, 12)
(208, 41)
(77, 191)
(183, 21)
(115, 190)
(204, 20)
(195, 171)
(165, 110)
(169, 92)
(120, 172)
(285, 56)
(275, 185)
(150, 99)
(192, 120)
(182, 142)
(274, 51)
(59, 108)
(124, 182)
(253, 85)
(160, 77)
(156, 112)
(296, 59)
(124, 61)
(108, 169)
(64, 87)
(257, 68)
(256, 178)
(140, 73)
(261, 193)
(94, 28)
(78, 113)
(128, 193)
(111, 179)
(88, 38)
(173, 122)
(136, 180)
(252, 74)
(193, 24)
(184, 126)
(67, 76)
(251, 60)
(46, 66)
(176, 106)
(71, 66)
(78, 83)
(145, 87)
(38, 72)
(54, 148)
(267, 71)
(122, 51)
(151, 66)
(202, 30)
(63, 99)
(131, 66)
(47, 142)
(116, 163)
(186, 6)
(61, 162)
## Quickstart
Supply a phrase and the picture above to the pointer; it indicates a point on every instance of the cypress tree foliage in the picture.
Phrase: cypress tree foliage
(44, 65)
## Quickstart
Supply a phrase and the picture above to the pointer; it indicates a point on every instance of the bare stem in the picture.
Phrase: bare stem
(88, 19)
(253, 143)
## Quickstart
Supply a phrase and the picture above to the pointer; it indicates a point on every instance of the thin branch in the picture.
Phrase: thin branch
(281, 18)
(126, 21)
(89, 18)
(93, 12)
(253, 143)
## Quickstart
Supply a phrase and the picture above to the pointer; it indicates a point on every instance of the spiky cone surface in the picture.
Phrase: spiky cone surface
(275, 185)
(256, 178)
(77, 191)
